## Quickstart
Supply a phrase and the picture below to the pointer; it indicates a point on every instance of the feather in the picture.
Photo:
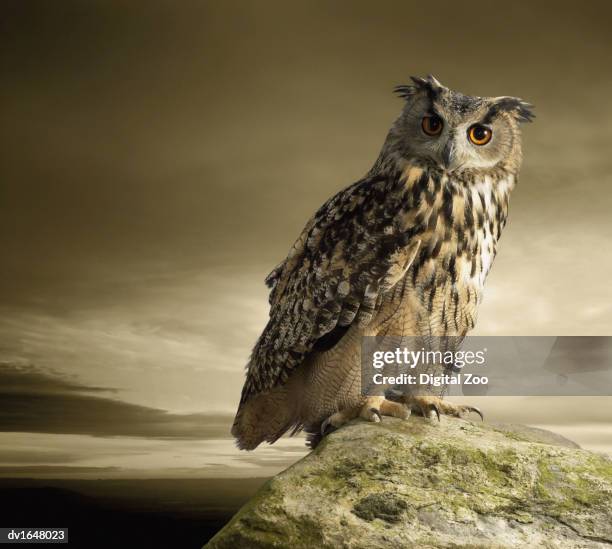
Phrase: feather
(349, 254)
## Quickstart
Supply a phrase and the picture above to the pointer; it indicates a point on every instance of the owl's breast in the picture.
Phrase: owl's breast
(441, 291)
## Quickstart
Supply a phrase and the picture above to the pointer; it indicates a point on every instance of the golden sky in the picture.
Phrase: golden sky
(159, 160)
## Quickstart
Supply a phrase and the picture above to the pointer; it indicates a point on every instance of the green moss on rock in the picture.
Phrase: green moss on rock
(385, 506)
(419, 483)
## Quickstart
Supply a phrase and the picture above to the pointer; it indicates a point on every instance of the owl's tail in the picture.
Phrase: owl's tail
(264, 417)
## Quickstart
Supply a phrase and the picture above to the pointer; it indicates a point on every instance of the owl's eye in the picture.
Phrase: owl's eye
(479, 134)
(432, 124)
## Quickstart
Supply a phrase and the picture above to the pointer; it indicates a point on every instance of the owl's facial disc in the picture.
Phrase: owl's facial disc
(455, 142)
(458, 132)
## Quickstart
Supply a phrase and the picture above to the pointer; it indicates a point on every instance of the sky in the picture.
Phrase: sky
(159, 160)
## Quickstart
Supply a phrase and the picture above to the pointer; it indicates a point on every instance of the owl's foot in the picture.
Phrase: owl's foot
(433, 406)
(373, 409)
(338, 419)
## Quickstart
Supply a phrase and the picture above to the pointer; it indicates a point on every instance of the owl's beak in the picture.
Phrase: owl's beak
(449, 156)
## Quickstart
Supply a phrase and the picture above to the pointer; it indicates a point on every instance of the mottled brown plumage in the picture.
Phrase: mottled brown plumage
(403, 251)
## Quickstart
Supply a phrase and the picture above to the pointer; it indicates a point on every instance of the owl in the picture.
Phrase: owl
(404, 251)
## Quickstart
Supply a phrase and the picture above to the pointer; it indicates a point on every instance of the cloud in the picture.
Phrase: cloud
(37, 401)
(63, 456)
(27, 457)
(174, 342)
(27, 379)
(53, 470)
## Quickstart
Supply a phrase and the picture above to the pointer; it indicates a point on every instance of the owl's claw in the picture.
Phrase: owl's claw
(429, 405)
(433, 407)
(337, 420)
(469, 409)
(373, 409)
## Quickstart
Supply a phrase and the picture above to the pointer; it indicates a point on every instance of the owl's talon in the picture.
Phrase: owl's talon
(474, 409)
(433, 408)
(428, 405)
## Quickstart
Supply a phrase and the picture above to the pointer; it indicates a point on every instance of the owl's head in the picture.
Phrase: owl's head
(458, 132)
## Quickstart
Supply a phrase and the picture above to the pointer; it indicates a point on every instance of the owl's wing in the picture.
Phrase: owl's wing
(352, 251)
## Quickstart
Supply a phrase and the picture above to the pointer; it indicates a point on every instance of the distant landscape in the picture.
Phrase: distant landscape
(122, 513)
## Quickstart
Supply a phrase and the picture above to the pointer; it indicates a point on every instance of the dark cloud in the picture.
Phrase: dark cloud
(38, 402)
(25, 379)
(27, 457)
(36, 470)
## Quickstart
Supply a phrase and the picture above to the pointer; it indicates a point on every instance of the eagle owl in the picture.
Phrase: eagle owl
(404, 251)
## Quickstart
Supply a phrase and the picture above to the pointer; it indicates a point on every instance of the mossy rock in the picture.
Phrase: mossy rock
(386, 506)
(419, 483)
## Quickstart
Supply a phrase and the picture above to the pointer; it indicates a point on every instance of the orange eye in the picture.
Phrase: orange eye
(432, 124)
(479, 134)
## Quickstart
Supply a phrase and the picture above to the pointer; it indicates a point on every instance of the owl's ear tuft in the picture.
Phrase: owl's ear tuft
(405, 92)
(430, 85)
(521, 110)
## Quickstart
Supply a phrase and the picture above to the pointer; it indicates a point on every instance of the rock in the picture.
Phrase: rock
(419, 483)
